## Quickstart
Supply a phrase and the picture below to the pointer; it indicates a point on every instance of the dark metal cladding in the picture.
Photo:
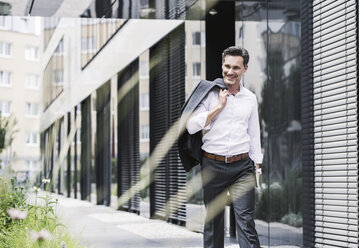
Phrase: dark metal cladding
(167, 95)
(128, 160)
(103, 146)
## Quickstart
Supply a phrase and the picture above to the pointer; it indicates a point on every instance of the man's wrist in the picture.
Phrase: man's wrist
(219, 107)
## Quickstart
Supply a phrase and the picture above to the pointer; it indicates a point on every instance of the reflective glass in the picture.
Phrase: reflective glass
(270, 31)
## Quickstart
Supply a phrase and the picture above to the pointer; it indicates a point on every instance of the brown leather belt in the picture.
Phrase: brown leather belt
(225, 158)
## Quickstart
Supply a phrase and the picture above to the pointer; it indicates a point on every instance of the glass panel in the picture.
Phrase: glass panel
(271, 34)
(95, 34)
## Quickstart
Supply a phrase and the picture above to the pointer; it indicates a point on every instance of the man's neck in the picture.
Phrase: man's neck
(233, 89)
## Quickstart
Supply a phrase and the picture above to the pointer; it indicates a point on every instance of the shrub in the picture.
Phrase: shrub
(30, 226)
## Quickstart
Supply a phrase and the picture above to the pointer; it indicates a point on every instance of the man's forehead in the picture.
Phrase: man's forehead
(233, 59)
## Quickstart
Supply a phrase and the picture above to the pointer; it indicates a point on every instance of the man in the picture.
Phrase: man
(228, 121)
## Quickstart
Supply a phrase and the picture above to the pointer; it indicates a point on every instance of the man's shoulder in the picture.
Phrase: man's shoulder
(205, 86)
(249, 93)
(201, 90)
(210, 84)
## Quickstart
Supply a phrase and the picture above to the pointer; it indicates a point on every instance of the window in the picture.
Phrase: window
(196, 38)
(5, 22)
(5, 78)
(196, 69)
(145, 101)
(203, 38)
(144, 69)
(88, 44)
(240, 33)
(5, 49)
(2, 21)
(32, 53)
(31, 81)
(59, 49)
(58, 77)
(32, 109)
(145, 133)
(31, 165)
(5, 108)
(31, 138)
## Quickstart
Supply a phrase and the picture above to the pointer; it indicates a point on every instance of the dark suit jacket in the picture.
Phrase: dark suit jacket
(189, 146)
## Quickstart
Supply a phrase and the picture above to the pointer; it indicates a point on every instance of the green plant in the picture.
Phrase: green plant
(30, 226)
(11, 197)
(5, 8)
(272, 204)
(293, 219)
(7, 131)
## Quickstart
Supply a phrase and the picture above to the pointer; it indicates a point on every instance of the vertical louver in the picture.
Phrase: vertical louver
(86, 141)
(68, 158)
(167, 95)
(128, 136)
(307, 122)
(335, 123)
(59, 144)
(103, 146)
(176, 9)
(176, 86)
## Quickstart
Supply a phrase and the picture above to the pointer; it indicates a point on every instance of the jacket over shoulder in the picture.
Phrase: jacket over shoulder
(189, 146)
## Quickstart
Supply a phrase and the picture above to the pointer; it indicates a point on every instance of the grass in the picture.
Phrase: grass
(24, 225)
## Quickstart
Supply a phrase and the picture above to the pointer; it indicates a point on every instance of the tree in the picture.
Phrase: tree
(5, 8)
(7, 131)
(7, 135)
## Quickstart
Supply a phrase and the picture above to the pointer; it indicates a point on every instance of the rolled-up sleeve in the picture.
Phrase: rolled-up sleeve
(255, 151)
(198, 118)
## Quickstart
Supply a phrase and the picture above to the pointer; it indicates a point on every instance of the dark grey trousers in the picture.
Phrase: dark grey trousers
(239, 179)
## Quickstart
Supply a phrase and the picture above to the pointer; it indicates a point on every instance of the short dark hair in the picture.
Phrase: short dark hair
(236, 51)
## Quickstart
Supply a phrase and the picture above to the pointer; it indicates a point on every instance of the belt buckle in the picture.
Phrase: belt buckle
(226, 159)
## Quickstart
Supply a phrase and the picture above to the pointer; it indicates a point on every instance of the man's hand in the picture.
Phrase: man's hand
(222, 101)
(258, 169)
(258, 174)
(222, 98)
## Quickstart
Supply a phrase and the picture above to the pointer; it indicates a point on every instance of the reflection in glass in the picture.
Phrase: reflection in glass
(271, 34)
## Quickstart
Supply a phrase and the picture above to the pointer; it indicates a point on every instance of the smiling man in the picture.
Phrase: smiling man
(228, 120)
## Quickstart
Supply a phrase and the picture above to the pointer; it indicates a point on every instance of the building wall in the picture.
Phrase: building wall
(22, 33)
(195, 54)
(144, 72)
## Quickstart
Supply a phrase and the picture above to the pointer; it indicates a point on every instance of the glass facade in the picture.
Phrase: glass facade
(270, 31)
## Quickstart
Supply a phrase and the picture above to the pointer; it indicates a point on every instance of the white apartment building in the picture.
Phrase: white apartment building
(20, 92)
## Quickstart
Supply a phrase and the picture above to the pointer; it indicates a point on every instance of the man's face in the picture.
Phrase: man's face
(233, 69)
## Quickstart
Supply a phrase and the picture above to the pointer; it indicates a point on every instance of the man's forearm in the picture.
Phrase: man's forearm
(213, 113)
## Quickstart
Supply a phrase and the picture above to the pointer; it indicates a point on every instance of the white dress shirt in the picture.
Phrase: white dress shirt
(234, 130)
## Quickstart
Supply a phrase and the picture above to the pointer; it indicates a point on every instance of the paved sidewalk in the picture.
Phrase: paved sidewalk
(104, 227)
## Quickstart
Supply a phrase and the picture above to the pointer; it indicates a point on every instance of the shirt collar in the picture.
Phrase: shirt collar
(240, 90)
